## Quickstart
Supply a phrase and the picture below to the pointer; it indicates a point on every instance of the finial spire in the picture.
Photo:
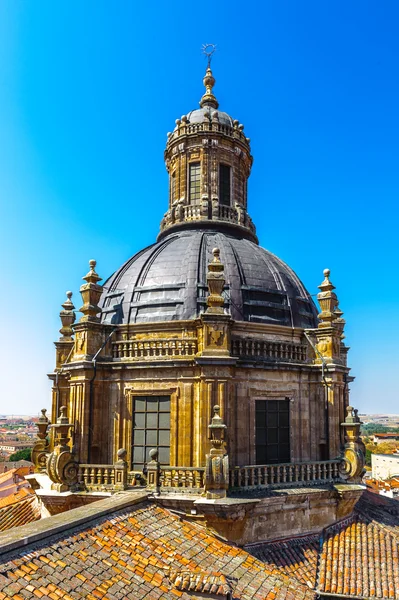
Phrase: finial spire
(67, 317)
(208, 99)
(328, 301)
(91, 293)
(215, 279)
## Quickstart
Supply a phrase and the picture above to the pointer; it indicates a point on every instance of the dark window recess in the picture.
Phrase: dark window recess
(224, 185)
(272, 431)
(173, 186)
(151, 429)
(195, 181)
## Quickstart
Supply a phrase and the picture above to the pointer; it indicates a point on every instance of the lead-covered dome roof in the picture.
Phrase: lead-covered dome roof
(167, 281)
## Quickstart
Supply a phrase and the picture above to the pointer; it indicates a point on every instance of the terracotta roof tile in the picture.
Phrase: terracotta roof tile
(357, 557)
(144, 552)
(21, 512)
(297, 557)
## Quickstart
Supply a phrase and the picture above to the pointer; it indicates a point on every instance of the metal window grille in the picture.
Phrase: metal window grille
(151, 429)
(195, 181)
(272, 431)
(224, 185)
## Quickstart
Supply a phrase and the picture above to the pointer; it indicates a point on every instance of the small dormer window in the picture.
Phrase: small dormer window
(195, 181)
(224, 185)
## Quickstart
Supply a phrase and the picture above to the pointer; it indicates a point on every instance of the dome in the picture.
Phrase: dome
(209, 113)
(167, 281)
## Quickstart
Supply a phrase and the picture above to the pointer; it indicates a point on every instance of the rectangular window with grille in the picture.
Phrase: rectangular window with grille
(195, 182)
(272, 431)
(224, 185)
(151, 429)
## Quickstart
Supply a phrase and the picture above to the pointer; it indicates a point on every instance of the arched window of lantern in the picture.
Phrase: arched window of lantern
(194, 179)
(224, 184)
(173, 187)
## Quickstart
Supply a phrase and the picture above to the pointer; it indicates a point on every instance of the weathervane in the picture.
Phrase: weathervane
(208, 50)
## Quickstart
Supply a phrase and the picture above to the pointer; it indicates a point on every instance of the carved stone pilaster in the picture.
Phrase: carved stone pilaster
(40, 449)
(61, 466)
(354, 449)
(91, 293)
(329, 333)
(153, 472)
(120, 468)
(217, 461)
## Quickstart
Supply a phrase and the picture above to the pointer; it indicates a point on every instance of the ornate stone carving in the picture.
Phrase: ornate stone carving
(121, 470)
(328, 301)
(67, 317)
(215, 280)
(354, 450)
(217, 461)
(91, 293)
(40, 449)
(62, 467)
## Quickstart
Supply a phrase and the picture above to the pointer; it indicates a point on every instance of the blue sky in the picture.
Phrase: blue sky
(88, 91)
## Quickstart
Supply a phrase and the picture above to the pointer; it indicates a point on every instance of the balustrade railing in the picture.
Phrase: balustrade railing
(267, 350)
(189, 478)
(227, 213)
(285, 475)
(192, 212)
(96, 477)
(211, 126)
(155, 349)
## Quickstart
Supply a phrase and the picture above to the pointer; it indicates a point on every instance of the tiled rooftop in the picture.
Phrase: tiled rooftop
(297, 557)
(140, 552)
(358, 557)
(19, 509)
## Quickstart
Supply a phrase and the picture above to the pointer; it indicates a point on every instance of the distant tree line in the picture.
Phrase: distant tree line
(25, 454)
(371, 428)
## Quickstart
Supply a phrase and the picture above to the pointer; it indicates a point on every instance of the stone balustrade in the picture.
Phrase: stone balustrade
(176, 478)
(192, 213)
(96, 477)
(285, 475)
(155, 349)
(206, 126)
(268, 351)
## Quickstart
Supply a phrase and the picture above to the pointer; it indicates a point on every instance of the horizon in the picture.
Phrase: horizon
(86, 104)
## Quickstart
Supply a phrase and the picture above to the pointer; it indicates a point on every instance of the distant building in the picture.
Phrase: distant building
(384, 466)
(385, 437)
(23, 467)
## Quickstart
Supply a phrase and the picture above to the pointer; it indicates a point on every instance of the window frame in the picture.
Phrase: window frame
(222, 184)
(194, 191)
(147, 411)
(277, 409)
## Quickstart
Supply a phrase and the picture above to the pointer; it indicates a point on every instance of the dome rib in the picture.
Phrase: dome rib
(167, 281)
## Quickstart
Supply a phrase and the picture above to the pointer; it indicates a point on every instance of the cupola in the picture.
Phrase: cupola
(209, 160)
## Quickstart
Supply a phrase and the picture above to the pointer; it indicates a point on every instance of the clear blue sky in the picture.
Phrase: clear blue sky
(88, 91)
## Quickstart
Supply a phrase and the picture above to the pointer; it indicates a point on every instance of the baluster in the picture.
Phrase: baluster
(246, 477)
(182, 479)
(284, 473)
(98, 476)
(278, 473)
(162, 478)
(189, 479)
(296, 473)
(175, 478)
(92, 476)
(266, 475)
